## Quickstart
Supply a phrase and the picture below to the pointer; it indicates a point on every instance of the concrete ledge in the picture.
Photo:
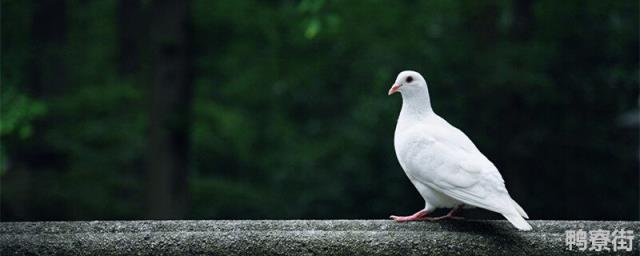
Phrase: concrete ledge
(295, 237)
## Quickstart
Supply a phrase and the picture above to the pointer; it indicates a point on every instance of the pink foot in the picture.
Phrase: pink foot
(445, 217)
(449, 215)
(420, 215)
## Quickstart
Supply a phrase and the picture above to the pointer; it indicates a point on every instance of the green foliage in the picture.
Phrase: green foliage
(18, 112)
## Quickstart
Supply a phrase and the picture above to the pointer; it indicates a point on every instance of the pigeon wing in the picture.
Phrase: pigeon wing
(447, 161)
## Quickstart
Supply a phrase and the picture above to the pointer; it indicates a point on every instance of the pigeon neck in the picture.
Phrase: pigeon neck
(416, 104)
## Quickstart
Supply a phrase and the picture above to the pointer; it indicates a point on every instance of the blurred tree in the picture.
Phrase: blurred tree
(170, 109)
(290, 118)
(46, 78)
(131, 34)
(522, 15)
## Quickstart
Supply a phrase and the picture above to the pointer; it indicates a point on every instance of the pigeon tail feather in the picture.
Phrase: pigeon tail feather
(520, 210)
(517, 221)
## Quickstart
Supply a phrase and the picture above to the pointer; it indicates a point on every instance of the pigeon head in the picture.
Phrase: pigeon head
(409, 82)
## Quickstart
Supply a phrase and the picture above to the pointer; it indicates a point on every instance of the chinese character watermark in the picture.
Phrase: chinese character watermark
(599, 240)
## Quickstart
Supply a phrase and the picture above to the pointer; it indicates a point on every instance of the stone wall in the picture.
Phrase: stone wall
(296, 237)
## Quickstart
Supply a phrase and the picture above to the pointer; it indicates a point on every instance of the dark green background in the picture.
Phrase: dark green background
(125, 109)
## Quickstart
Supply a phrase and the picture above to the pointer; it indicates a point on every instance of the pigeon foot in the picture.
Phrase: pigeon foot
(418, 216)
(449, 215)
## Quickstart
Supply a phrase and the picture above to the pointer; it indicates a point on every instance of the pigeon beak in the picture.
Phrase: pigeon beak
(394, 89)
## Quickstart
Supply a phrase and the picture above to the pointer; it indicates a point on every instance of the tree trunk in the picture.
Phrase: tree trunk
(170, 109)
(482, 21)
(518, 33)
(45, 77)
(522, 20)
(130, 35)
(48, 42)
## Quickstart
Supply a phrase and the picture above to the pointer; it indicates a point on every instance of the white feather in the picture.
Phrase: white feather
(442, 162)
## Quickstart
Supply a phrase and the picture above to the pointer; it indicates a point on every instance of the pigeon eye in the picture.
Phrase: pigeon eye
(409, 79)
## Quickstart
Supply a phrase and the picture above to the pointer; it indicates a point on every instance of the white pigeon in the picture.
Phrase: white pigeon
(442, 162)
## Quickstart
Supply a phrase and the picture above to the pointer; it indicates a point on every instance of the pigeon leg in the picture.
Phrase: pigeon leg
(420, 215)
(449, 215)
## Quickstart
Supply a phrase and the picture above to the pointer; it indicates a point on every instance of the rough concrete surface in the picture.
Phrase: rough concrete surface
(296, 237)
